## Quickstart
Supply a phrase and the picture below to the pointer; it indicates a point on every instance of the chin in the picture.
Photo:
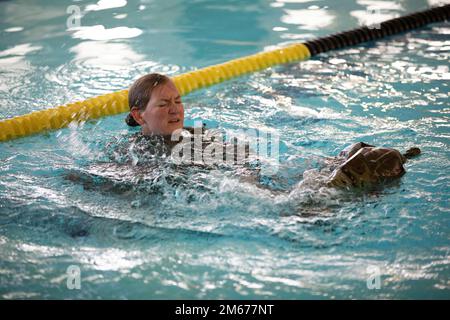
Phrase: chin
(177, 125)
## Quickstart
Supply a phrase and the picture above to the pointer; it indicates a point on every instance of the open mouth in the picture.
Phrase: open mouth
(174, 121)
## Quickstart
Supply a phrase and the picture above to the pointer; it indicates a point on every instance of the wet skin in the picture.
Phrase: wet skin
(163, 114)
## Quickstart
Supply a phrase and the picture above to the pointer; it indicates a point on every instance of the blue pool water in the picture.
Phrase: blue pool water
(220, 237)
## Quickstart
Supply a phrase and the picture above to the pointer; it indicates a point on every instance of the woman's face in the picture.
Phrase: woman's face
(164, 112)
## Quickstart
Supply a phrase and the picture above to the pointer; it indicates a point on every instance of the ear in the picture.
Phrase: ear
(136, 113)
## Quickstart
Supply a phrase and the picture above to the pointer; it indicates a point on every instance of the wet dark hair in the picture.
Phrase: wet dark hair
(140, 93)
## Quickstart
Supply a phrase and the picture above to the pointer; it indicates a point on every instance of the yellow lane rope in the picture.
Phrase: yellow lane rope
(117, 102)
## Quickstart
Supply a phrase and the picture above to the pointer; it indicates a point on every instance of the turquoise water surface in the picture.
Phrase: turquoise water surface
(213, 235)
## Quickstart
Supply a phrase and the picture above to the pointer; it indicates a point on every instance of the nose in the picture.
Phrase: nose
(173, 108)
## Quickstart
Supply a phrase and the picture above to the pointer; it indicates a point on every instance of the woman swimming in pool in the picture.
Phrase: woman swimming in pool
(157, 107)
(147, 156)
